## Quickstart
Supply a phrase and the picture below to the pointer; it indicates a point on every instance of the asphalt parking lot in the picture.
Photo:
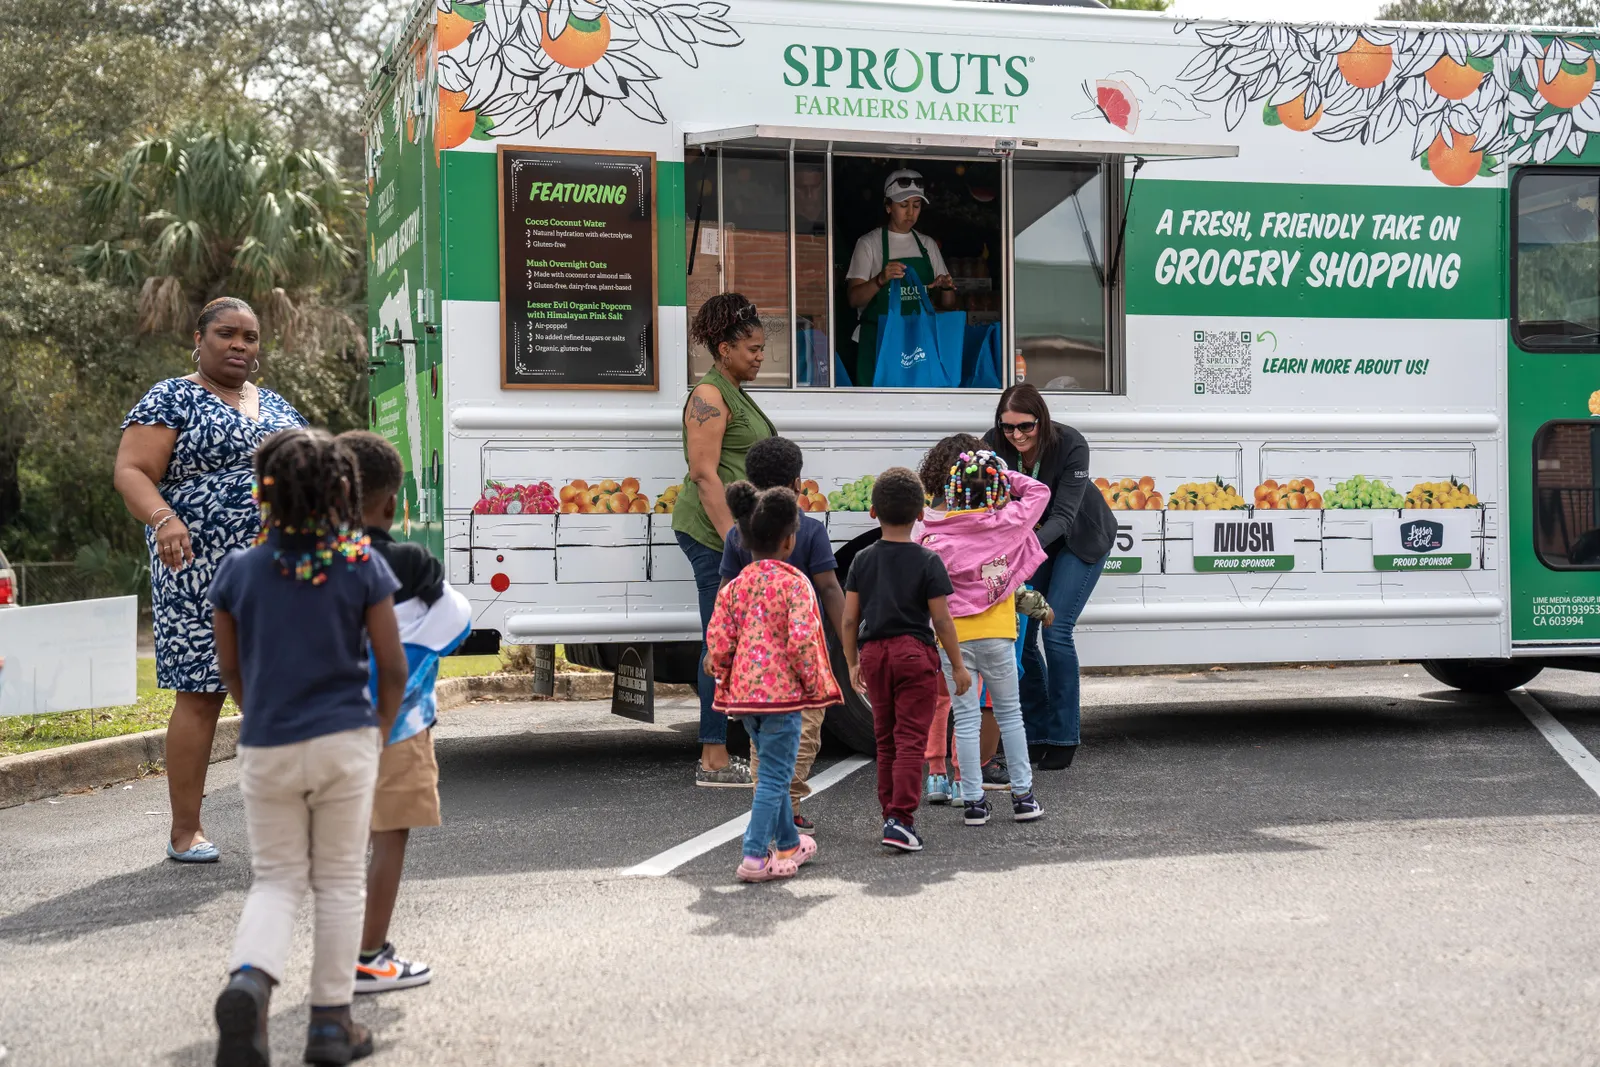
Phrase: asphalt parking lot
(1287, 866)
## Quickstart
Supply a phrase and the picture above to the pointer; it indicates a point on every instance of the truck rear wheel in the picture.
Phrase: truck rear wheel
(1483, 675)
(849, 723)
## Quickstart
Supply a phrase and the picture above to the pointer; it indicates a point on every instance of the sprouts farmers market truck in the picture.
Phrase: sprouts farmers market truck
(1325, 300)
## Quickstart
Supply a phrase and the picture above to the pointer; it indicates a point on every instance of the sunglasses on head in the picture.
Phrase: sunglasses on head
(749, 311)
(1023, 428)
(906, 183)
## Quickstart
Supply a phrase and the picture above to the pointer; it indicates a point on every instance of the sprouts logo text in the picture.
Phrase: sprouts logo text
(878, 85)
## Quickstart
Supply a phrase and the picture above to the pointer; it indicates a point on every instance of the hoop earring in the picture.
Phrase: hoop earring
(195, 355)
(255, 365)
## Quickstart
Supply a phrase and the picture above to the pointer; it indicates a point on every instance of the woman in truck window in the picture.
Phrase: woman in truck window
(1076, 535)
(720, 423)
(894, 250)
(183, 469)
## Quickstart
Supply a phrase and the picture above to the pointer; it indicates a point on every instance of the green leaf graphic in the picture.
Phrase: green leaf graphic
(481, 128)
(1269, 115)
(470, 12)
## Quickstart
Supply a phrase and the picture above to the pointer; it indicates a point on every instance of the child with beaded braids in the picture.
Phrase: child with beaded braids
(293, 618)
(987, 543)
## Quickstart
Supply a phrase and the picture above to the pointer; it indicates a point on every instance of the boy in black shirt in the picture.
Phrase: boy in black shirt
(894, 604)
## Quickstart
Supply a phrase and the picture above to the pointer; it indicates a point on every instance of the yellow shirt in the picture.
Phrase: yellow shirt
(998, 621)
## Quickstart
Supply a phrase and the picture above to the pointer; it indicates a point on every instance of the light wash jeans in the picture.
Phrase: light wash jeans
(995, 658)
(307, 806)
(777, 739)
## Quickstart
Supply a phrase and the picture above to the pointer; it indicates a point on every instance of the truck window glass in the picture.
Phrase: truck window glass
(811, 270)
(755, 247)
(1059, 222)
(1566, 513)
(1556, 289)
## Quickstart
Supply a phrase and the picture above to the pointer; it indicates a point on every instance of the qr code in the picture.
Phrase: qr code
(1222, 362)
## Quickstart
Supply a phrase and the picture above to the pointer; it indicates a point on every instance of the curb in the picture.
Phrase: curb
(91, 764)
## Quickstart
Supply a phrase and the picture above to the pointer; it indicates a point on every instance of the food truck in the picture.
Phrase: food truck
(1324, 299)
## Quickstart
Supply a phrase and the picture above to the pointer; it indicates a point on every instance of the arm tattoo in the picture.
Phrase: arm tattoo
(702, 412)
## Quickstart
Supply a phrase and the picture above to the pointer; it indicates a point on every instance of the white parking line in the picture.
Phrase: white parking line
(1567, 747)
(678, 855)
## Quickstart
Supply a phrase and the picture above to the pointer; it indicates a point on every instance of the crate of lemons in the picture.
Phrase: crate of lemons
(606, 497)
(1451, 494)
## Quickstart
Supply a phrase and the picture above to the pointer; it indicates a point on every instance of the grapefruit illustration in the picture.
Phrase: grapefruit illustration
(1452, 80)
(1455, 164)
(455, 125)
(1293, 114)
(580, 45)
(1366, 65)
(1117, 103)
(451, 30)
(1570, 85)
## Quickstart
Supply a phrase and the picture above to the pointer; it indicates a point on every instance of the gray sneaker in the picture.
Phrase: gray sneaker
(736, 775)
(996, 775)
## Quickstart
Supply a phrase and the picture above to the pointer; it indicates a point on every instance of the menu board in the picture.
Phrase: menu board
(578, 269)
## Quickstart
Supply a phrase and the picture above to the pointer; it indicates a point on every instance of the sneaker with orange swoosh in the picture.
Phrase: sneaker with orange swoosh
(386, 971)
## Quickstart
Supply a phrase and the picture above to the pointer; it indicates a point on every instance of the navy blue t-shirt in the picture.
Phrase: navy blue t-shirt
(302, 647)
(812, 553)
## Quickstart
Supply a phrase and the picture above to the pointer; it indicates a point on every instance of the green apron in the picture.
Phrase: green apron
(747, 424)
(918, 268)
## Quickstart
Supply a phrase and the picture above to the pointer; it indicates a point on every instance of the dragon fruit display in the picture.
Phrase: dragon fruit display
(539, 498)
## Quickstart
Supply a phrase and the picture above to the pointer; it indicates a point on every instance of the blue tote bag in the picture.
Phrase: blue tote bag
(919, 351)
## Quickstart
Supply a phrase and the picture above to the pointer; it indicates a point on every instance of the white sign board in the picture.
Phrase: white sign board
(67, 657)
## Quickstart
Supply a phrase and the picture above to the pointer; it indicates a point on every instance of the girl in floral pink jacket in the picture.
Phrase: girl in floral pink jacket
(768, 656)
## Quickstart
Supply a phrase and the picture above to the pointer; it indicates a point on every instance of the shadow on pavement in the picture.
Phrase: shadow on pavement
(151, 894)
(1151, 781)
(1198, 779)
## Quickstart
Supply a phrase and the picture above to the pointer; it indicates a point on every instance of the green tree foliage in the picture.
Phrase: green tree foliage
(205, 213)
(266, 94)
(1495, 12)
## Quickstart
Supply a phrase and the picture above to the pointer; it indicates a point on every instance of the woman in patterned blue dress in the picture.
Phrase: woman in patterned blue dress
(183, 469)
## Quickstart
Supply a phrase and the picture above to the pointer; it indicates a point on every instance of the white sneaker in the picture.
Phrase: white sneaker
(387, 971)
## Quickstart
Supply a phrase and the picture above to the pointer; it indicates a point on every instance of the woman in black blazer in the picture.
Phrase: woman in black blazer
(1076, 534)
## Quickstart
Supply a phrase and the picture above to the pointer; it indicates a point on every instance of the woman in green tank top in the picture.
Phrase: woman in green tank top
(720, 423)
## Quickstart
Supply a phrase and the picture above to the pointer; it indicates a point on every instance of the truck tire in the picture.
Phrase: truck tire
(849, 723)
(1483, 675)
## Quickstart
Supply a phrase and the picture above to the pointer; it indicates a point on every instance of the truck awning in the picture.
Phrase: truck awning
(900, 142)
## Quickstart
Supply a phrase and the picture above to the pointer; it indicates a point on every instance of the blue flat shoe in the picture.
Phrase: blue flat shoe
(202, 852)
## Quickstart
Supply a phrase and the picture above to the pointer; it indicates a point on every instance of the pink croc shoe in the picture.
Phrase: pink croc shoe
(803, 853)
(768, 870)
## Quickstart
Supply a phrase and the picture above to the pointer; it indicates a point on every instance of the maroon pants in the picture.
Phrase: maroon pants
(901, 675)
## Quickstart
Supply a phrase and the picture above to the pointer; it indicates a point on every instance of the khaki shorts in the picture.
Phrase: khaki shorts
(407, 794)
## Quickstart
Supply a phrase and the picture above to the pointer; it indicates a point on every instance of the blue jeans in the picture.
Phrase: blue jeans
(776, 739)
(995, 658)
(707, 565)
(1050, 691)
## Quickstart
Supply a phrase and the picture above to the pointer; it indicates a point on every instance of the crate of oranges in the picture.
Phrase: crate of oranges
(608, 497)
(1296, 494)
(1130, 494)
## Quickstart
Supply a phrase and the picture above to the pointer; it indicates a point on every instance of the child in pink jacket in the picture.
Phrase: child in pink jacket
(767, 654)
(987, 543)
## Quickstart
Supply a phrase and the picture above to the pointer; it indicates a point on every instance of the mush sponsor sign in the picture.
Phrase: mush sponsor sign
(1242, 545)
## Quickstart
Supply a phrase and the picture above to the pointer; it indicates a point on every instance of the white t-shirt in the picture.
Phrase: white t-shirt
(867, 260)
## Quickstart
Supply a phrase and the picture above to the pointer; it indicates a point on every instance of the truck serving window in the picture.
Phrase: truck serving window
(1555, 232)
(1022, 250)
(1566, 505)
